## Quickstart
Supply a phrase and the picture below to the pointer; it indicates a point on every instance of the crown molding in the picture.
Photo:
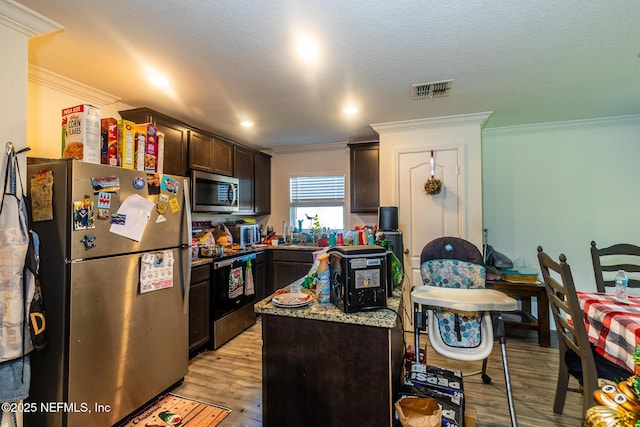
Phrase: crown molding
(329, 146)
(24, 20)
(435, 122)
(63, 84)
(569, 124)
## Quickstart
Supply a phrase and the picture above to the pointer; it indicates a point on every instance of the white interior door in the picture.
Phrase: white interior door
(423, 217)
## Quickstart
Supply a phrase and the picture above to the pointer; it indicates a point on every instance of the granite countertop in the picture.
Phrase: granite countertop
(381, 318)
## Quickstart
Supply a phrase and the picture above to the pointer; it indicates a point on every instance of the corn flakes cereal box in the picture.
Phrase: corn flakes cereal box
(160, 161)
(126, 143)
(81, 133)
(146, 147)
(109, 151)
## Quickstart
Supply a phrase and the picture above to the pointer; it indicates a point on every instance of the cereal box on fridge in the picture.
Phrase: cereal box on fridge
(81, 137)
(146, 147)
(126, 143)
(109, 152)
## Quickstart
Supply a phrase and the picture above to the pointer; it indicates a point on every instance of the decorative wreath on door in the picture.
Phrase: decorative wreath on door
(433, 185)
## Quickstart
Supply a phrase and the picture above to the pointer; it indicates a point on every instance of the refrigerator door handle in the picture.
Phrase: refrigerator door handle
(187, 208)
(186, 247)
(185, 258)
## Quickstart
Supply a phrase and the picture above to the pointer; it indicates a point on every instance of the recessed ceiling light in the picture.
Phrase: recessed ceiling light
(350, 110)
(246, 123)
(159, 80)
(307, 49)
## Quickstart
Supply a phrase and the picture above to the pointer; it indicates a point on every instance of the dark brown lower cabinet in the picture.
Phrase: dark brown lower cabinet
(259, 269)
(199, 308)
(324, 373)
(287, 265)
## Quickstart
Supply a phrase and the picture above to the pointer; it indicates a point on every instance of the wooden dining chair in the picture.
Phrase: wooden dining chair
(572, 334)
(607, 261)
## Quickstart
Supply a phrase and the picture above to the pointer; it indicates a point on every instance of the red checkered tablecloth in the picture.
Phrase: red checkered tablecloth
(613, 325)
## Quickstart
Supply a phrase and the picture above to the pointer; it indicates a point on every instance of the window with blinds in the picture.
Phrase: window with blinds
(317, 195)
(317, 190)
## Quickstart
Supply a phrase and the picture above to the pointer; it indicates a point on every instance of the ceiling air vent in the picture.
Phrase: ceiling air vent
(431, 90)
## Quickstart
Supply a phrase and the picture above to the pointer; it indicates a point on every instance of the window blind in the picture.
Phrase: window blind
(317, 190)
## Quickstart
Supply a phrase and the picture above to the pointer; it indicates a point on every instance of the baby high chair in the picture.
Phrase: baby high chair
(460, 310)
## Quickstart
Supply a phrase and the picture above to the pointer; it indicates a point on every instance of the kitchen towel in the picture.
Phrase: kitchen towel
(236, 282)
(249, 288)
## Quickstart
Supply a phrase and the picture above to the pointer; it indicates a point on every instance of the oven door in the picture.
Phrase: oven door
(230, 286)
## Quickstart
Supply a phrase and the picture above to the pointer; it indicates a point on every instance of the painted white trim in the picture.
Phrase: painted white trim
(435, 122)
(65, 85)
(24, 20)
(571, 124)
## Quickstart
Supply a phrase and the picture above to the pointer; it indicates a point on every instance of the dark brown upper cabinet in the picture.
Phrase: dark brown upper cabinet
(244, 171)
(262, 186)
(365, 185)
(210, 154)
(253, 169)
(176, 136)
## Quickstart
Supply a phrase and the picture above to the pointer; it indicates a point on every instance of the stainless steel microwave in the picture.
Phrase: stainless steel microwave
(213, 193)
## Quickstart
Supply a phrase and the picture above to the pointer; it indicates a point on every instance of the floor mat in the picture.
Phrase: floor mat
(171, 409)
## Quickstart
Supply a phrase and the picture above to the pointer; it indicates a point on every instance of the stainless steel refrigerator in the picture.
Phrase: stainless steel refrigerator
(111, 348)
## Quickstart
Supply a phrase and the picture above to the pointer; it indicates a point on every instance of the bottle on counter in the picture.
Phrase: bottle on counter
(622, 282)
(323, 288)
(397, 270)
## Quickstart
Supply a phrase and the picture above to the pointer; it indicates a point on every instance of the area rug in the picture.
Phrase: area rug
(172, 409)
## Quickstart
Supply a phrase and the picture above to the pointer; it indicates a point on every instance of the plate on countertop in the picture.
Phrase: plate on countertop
(292, 299)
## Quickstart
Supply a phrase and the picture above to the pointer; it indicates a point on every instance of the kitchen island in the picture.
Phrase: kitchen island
(323, 367)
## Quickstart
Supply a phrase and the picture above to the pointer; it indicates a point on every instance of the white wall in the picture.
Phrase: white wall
(456, 131)
(13, 86)
(562, 185)
(48, 95)
(307, 161)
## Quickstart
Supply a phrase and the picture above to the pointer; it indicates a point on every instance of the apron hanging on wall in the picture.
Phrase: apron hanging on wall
(15, 293)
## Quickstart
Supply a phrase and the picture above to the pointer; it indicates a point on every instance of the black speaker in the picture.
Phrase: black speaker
(388, 218)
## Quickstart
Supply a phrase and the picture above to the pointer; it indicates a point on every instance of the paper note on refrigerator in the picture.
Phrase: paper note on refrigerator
(137, 211)
(156, 271)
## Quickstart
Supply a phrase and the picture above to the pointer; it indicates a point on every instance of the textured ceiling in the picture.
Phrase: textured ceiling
(527, 61)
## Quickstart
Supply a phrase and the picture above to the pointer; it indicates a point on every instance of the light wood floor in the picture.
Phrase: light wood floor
(231, 376)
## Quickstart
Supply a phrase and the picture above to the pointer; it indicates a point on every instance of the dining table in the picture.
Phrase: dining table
(613, 325)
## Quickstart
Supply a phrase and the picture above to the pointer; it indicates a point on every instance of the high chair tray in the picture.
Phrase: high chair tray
(463, 299)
